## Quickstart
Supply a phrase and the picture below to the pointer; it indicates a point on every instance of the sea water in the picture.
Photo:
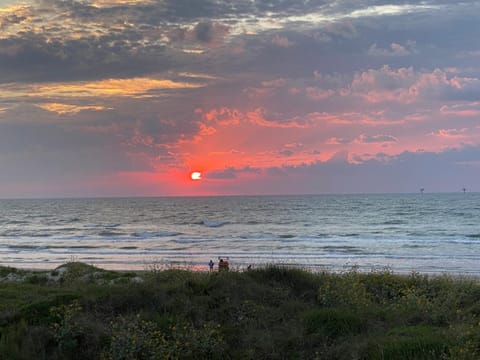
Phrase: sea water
(428, 233)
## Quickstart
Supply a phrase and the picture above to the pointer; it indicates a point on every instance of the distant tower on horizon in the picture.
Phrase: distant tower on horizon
(422, 190)
(464, 190)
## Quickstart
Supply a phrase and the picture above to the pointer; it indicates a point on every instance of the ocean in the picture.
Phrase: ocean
(429, 233)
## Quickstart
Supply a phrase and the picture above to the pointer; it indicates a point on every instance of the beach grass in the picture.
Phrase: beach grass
(78, 311)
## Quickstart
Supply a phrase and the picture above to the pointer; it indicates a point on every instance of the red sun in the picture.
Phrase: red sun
(196, 175)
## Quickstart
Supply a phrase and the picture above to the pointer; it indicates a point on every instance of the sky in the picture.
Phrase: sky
(127, 98)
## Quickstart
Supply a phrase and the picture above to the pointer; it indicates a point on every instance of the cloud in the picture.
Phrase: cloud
(471, 109)
(281, 41)
(450, 133)
(159, 85)
(37, 57)
(115, 3)
(133, 87)
(405, 85)
(206, 130)
(286, 152)
(391, 9)
(316, 93)
(369, 139)
(334, 30)
(262, 118)
(223, 116)
(231, 173)
(209, 32)
(12, 15)
(337, 141)
(408, 172)
(394, 50)
(63, 109)
(202, 34)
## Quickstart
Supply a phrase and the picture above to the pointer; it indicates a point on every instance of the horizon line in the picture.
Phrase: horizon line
(236, 195)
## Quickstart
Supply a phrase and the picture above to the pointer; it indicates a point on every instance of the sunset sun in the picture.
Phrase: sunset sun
(196, 175)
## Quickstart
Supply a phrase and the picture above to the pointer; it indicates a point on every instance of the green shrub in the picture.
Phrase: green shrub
(333, 322)
(135, 338)
(301, 282)
(267, 313)
(384, 287)
(23, 341)
(410, 343)
(5, 270)
(343, 290)
(66, 332)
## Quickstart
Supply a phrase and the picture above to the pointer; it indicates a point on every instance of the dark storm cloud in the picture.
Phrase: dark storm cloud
(181, 10)
(123, 40)
(34, 57)
(204, 32)
(163, 121)
(10, 20)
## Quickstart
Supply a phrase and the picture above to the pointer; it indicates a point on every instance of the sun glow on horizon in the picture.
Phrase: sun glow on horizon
(196, 175)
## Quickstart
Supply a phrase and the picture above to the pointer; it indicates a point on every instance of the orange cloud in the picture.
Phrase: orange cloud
(63, 109)
(206, 130)
(132, 87)
(21, 15)
(139, 87)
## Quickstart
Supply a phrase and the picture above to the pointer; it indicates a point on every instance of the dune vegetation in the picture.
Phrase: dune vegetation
(78, 311)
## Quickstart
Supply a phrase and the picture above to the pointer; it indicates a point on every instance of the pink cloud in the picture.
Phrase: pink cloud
(337, 141)
(462, 110)
(450, 133)
(404, 85)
